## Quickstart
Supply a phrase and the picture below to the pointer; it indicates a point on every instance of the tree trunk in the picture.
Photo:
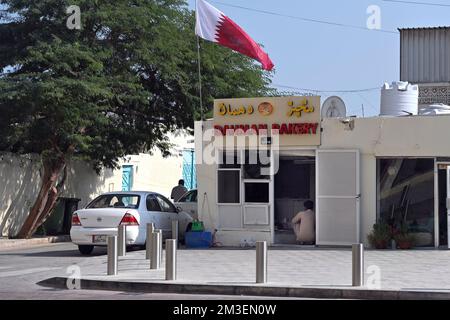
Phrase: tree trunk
(52, 199)
(46, 199)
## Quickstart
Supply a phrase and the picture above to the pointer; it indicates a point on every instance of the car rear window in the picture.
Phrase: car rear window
(130, 201)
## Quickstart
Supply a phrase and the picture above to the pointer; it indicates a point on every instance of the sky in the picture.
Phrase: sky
(328, 57)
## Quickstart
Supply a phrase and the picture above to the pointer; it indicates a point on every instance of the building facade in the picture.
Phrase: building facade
(357, 171)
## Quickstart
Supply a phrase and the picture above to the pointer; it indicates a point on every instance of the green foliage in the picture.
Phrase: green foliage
(117, 86)
(380, 236)
(403, 238)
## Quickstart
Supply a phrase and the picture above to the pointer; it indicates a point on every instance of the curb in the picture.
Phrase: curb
(6, 244)
(246, 290)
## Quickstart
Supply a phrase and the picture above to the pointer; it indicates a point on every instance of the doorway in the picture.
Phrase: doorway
(127, 177)
(294, 184)
(442, 206)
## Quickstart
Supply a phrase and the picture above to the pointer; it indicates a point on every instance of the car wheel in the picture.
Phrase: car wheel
(85, 249)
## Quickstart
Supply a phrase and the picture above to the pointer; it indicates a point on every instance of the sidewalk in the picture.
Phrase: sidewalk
(9, 244)
(313, 272)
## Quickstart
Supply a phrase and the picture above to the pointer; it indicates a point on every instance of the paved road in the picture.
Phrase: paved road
(20, 270)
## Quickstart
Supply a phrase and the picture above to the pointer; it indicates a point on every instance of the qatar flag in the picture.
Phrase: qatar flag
(213, 25)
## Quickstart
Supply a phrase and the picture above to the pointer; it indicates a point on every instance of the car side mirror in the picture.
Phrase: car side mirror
(179, 209)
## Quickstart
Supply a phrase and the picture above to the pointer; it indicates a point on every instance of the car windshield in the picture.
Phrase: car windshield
(130, 201)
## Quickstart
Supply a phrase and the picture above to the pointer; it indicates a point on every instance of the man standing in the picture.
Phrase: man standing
(178, 191)
(304, 224)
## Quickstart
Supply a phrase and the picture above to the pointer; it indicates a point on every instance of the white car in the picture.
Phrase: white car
(102, 216)
(188, 203)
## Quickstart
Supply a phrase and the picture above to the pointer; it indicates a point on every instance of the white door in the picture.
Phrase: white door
(337, 197)
(448, 207)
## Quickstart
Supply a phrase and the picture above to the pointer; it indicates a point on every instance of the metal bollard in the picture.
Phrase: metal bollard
(160, 248)
(148, 242)
(171, 259)
(175, 230)
(357, 265)
(155, 259)
(261, 262)
(121, 240)
(112, 256)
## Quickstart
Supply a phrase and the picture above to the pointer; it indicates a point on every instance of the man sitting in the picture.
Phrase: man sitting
(304, 224)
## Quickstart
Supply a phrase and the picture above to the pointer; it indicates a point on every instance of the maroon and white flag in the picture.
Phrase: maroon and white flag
(213, 25)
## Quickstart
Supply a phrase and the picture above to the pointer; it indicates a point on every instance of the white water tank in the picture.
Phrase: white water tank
(399, 99)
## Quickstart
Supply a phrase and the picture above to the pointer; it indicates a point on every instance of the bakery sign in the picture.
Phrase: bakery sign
(295, 119)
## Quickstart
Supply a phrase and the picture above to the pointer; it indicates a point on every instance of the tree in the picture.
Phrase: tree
(116, 86)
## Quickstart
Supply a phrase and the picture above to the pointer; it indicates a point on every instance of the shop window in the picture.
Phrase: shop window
(228, 186)
(230, 160)
(257, 164)
(406, 196)
(256, 192)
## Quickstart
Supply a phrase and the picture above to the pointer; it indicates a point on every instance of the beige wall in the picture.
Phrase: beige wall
(154, 172)
(16, 196)
(20, 180)
(391, 136)
(206, 181)
(418, 136)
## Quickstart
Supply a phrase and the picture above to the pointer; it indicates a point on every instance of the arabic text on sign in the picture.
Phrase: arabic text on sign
(224, 110)
(297, 110)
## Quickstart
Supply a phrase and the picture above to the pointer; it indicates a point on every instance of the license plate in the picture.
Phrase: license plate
(99, 238)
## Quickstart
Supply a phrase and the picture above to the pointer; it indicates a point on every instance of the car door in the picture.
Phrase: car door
(156, 213)
(192, 204)
(189, 203)
(169, 213)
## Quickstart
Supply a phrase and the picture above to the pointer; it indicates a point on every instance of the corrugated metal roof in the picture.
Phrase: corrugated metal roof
(425, 55)
(424, 28)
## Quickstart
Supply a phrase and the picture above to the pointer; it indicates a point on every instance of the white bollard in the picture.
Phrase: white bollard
(357, 265)
(171, 259)
(112, 256)
(175, 230)
(148, 242)
(155, 261)
(261, 262)
(121, 240)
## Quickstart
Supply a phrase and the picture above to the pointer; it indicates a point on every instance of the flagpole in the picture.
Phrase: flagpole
(199, 78)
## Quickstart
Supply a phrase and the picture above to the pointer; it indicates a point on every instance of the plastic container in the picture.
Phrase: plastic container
(399, 99)
(197, 226)
(198, 239)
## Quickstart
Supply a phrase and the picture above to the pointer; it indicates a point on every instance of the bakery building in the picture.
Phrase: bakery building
(357, 171)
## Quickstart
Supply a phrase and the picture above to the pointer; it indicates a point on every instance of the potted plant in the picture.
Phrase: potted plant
(380, 236)
(404, 239)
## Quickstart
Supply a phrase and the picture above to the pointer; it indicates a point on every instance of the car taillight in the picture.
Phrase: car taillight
(129, 220)
(75, 220)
